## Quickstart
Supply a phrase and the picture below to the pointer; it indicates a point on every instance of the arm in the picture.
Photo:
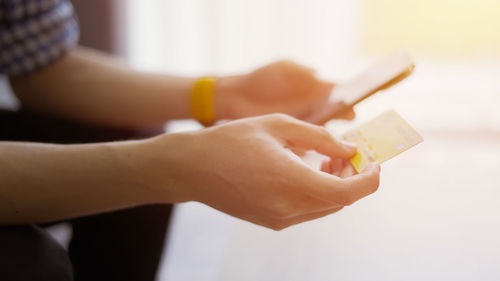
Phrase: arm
(41, 183)
(243, 168)
(92, 87)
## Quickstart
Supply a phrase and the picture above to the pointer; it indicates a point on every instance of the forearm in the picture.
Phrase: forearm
(41, 183)
(91, 87)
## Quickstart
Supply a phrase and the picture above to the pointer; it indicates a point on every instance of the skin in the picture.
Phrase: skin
(85, 84)
(245, 168)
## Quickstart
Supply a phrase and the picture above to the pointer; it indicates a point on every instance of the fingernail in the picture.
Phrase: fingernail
(374, 166)
(350, 145)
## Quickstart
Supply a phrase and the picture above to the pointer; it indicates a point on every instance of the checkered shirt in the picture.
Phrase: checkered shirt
(34, 33)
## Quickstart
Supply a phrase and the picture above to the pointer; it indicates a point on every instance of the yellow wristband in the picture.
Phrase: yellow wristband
(202, 100)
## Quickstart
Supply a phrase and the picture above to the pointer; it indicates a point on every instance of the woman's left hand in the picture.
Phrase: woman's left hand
(281, 87)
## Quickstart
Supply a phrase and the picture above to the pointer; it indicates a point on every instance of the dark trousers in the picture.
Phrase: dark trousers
(121, 245)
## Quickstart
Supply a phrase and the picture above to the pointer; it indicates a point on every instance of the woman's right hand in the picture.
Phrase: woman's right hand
(246, 169)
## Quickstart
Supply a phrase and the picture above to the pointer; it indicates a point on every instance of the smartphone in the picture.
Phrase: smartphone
(379, 76)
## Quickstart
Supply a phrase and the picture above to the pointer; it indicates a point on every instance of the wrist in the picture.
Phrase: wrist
(226, 89)
(156, 166)
(125, 166)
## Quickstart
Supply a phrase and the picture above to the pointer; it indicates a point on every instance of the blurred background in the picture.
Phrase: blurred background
(436, 215)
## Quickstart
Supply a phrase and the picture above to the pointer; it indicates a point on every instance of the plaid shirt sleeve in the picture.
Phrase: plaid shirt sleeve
(34, 33)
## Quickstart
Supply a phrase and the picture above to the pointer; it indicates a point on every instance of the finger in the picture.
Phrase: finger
(299, 134)
(325, 112)
(299, 152)
(301, 69)
(308, 113)
(341, 168)
(348, 114)
(344, 191)
(336, 166)
(347, 171)
(325, 167)
(326, 86)
(332, 166)
(320, 92)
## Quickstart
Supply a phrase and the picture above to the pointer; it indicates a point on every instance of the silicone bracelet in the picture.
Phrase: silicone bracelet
(202, 100)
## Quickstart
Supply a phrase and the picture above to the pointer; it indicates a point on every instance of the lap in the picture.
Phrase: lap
(28, 252)
(121, 245)
(24, 125)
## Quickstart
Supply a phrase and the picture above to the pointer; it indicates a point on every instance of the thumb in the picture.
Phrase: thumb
(327, 85)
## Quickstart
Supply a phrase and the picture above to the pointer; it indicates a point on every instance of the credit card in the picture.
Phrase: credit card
(381, 138)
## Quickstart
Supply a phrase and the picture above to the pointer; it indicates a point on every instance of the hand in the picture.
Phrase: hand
(246, 169)
(281, 87)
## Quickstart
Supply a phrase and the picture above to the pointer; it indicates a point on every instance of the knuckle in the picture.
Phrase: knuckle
(375, 183)
(280, 117)
(346, 199)
(367, 186)
(371, 183)
(347, 196)
(324, 132)
(284, 62)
